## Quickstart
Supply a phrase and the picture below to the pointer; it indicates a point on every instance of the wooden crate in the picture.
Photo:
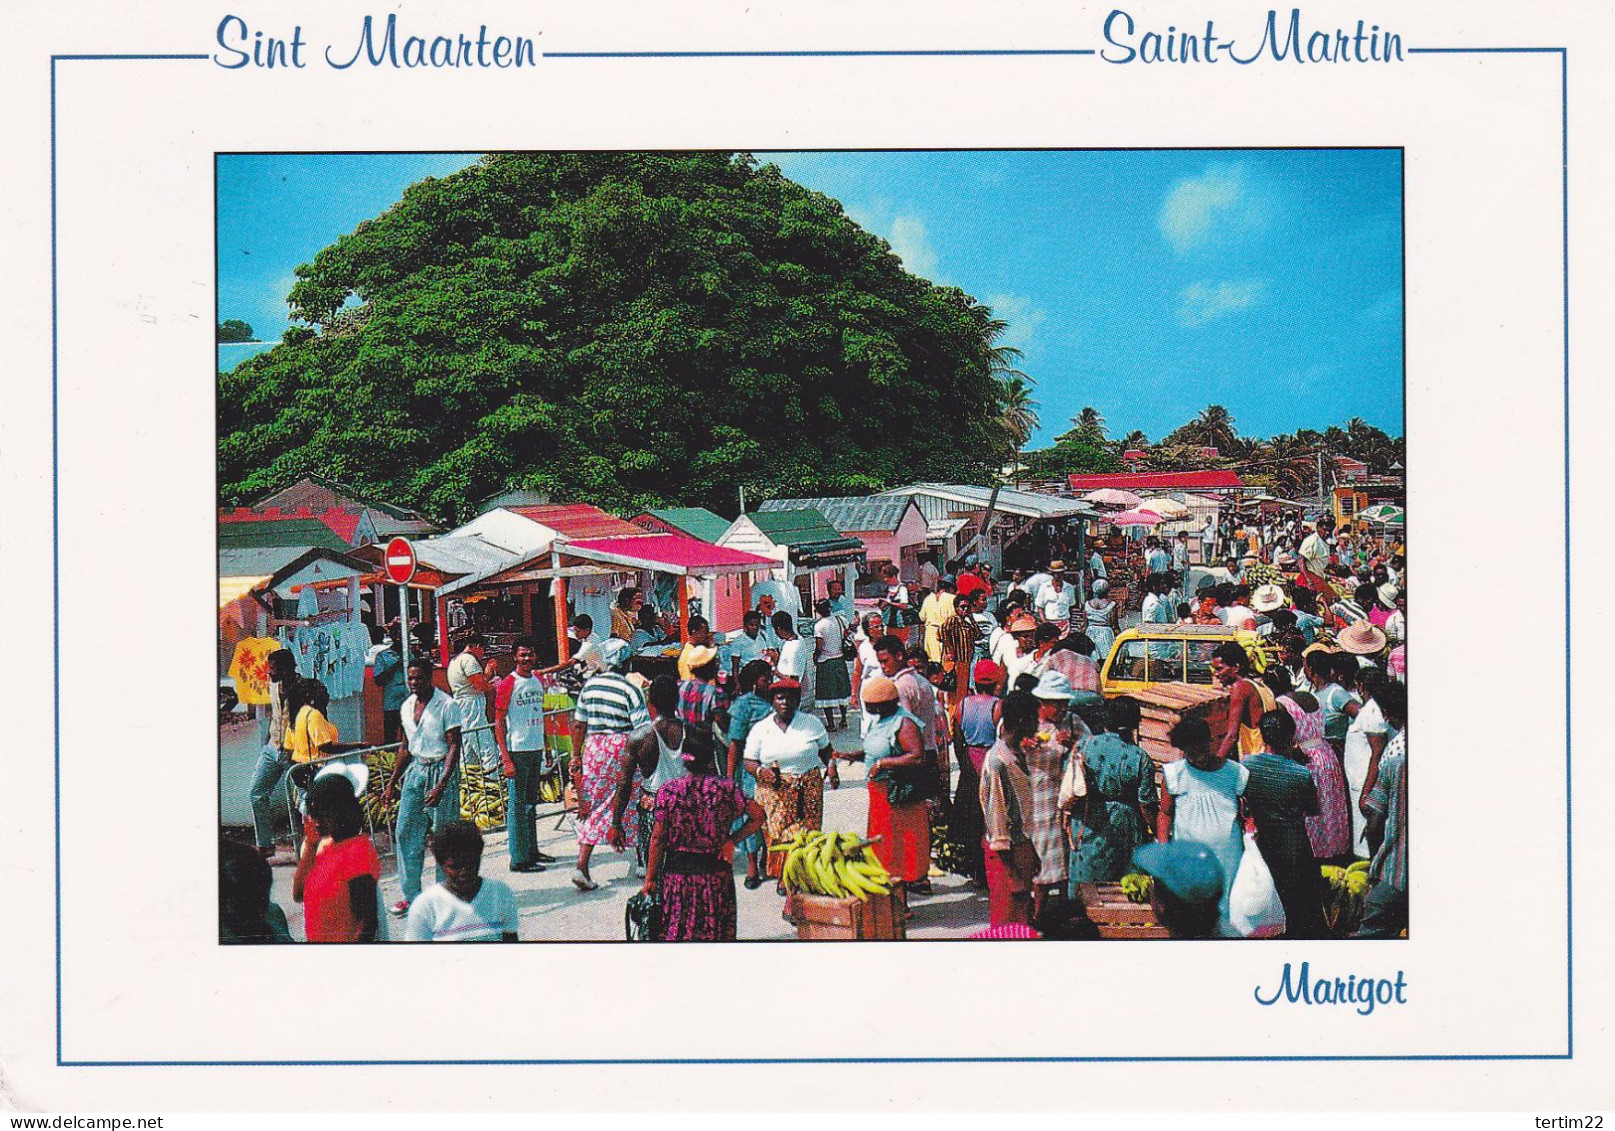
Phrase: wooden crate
(1163, 705)
(1116, 916)
(822, 917)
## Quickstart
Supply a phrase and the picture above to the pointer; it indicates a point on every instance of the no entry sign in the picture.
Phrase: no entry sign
(400, 561)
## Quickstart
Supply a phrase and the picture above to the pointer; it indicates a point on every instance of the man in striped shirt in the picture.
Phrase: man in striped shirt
(1385, 907)
(959, 635)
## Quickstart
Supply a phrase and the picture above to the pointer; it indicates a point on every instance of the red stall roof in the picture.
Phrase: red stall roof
(1145, 481)
(668, 553)
(578, 520)
(344, 523)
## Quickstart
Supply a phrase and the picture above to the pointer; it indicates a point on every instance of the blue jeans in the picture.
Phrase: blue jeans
(272, 766)
(415, 819)
(1385, 913)
(521, 807)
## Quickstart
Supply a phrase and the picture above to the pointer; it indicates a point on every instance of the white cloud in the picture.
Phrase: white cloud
(913, 247)
(1197, 207)
(1021, 316)
(1200, 303)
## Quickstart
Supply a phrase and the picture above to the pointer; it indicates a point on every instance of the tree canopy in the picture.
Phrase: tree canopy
(234, 330)
(626, 329)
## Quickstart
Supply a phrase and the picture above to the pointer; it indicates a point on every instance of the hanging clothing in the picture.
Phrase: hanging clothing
(249, 667)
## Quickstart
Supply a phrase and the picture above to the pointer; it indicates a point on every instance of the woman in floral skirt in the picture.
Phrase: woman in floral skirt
(692, 848)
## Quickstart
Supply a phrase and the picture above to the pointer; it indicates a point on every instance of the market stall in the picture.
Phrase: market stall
(809, 552)
(307, 600)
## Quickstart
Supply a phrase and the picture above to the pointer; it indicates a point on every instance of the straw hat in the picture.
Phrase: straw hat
(1056, 566)
(1022, 622)
(879, 690)
(1267, 598)
(1361, 639)
(1388, 594)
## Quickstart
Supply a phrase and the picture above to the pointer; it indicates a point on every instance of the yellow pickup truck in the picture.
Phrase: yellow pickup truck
(1174, 653)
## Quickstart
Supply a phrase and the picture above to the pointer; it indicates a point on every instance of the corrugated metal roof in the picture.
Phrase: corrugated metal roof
(257, 561)
(462, 555)
(578, 520)
(1026, 504)
(300, 532)
(697, 522)
(848, 514)
(1149, 482)
(669, 553)
(319, 493)
(278, 562)
(792, 526)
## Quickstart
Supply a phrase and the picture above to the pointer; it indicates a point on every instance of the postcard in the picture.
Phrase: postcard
(874, 540)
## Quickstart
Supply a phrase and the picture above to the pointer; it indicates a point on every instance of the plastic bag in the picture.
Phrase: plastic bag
(642, 918)
(1254, 908)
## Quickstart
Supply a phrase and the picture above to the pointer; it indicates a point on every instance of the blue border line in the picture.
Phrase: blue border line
(939, 54)
(56, 700)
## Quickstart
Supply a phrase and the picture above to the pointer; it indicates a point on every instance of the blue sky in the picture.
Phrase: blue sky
(1148, 284)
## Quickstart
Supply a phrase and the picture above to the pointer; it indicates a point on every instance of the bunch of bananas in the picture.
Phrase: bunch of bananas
(482, 795)
(947, 853)
(839, 865)
(1136, 887)
(1343, 906)
(552, 786)
(1261, 573)
(381, 768)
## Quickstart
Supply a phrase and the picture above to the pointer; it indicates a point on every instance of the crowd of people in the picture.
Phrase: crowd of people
(987, 744)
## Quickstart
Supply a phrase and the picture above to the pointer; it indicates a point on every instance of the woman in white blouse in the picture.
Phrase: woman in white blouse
(787, 753)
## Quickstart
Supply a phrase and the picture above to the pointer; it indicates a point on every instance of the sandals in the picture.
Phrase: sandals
(582, 882)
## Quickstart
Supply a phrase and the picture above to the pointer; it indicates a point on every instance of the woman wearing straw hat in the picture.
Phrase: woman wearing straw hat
(894, 753)
(1100, 612)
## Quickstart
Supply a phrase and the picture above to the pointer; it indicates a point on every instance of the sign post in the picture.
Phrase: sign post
(399, 561)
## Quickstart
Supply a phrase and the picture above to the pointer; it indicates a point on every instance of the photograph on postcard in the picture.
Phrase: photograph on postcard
(811, 545)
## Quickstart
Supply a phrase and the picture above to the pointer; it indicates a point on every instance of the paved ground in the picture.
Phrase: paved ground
(553, 910)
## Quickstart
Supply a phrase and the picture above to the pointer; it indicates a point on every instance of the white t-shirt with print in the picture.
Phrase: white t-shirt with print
(438, 915)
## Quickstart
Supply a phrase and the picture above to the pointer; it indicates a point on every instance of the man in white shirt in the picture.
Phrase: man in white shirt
(1033, 586)
(1315, 554)
(463, 907)
(1055, 602)
(428, 764)
(748, 644)
(1180, 564)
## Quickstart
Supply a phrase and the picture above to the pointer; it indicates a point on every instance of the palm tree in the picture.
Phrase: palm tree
(1134, 440)
(1017, 417)
(1215, 428)
(1089, 424)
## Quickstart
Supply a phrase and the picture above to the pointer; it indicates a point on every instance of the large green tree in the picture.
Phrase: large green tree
(619, 328)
